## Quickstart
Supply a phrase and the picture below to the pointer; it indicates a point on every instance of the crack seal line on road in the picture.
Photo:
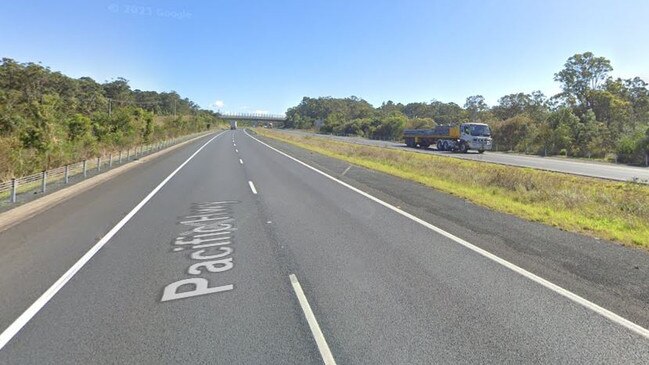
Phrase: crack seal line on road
(33, 309)
(539, 280)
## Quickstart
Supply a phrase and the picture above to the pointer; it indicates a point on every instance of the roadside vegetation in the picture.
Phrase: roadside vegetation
(595, 116)
(617, 211)
(48, 119)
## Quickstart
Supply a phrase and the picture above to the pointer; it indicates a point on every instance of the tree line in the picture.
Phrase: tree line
(48, 119)
(595, 115)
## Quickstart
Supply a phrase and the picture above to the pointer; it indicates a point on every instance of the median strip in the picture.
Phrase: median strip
(617, 211)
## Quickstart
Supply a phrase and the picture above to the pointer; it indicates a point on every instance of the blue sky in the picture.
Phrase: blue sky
(267, 55)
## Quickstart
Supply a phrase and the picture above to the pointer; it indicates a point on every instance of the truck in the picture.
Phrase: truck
(462, 138)
(233, 124)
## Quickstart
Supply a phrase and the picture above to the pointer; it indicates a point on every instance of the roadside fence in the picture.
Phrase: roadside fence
(12, 190)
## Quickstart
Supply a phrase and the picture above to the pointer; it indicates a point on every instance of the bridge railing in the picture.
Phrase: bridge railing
(258, 116)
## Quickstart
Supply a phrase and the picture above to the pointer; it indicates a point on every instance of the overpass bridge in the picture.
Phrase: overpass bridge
(256, 119)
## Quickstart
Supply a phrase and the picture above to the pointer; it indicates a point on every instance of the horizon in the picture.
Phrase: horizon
(264, 58)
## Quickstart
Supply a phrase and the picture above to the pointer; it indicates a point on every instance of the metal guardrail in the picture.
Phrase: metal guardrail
(11, 189)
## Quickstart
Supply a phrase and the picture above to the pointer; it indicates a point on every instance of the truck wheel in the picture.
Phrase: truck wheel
(440, 146)
(463, 148)
(480, 151)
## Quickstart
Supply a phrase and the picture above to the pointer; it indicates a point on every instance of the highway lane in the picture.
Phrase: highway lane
(111, 311)
(575, 167)
(383, 288)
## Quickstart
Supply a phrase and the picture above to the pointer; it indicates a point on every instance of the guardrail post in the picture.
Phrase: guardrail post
(98, 164)
(43, 181)
(66, 174)
(85, 170)
(14, 187)
(110, 160)
(128, 153)
(120, 157)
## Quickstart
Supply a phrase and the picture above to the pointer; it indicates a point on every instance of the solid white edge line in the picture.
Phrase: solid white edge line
(252, 187)
(557, 289)
(320, 340)
(241, 161)
(28, 314)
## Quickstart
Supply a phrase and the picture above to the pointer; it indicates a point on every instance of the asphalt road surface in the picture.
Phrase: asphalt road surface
(575, 167)
(230, 251)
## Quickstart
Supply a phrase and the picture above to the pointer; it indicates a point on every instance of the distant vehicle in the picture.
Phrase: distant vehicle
(233, 124)
(467, 136)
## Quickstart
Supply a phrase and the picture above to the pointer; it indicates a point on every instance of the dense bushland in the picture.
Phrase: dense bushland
(48, 119)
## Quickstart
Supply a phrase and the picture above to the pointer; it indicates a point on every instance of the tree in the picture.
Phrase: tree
(514, 104)
(584, 133)
(510, 134)
(389, 107)
(448, 113)
(581, 73)
(563, 123)
(390, 127)
(418, 110)
(79, 127)
(118, 91)
(475, 105)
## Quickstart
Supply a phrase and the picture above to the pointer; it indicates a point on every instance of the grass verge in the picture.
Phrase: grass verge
(617, 211)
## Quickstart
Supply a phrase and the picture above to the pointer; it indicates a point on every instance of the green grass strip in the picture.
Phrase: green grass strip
(617, 211)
